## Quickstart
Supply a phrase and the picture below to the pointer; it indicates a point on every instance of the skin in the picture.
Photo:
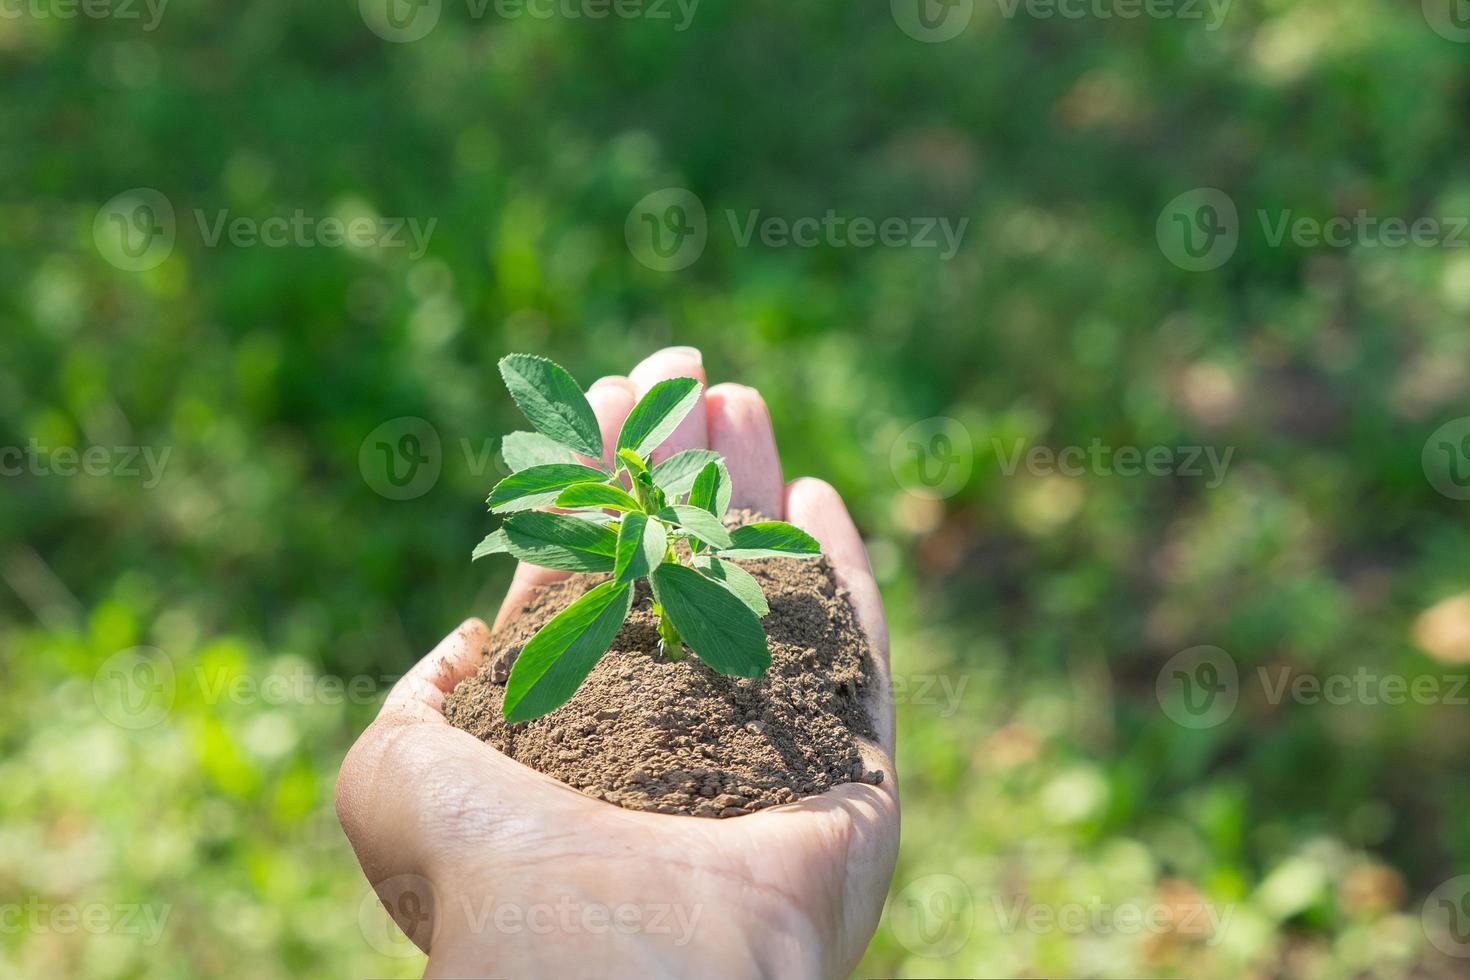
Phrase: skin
(495, 869)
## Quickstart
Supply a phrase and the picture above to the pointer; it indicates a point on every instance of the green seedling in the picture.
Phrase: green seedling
(626, 519)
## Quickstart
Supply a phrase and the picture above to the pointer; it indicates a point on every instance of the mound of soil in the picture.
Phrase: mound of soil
(648, 733)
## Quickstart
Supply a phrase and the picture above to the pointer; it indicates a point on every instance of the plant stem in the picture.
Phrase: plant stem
(668, 637)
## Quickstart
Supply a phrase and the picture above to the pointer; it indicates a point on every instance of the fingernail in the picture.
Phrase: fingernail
(690, 352)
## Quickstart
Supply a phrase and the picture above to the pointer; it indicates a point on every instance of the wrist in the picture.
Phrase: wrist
(569, 935)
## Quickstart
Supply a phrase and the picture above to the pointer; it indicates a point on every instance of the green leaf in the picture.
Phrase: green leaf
(676, 474)
(560, 541)
(632, 461)
(740, 582)
(700, 523)
(539, 485)
(552, 400)
(555, 662)
(657, 414)
(771, 539)
(641, 544)
(716, 625)
(712, 489)
(522, 450)
(650, 492)
(711, 484)
(495, 543)
(596, 517)
(597, 495)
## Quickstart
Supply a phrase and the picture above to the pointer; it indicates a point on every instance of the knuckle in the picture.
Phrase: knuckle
(360, 773)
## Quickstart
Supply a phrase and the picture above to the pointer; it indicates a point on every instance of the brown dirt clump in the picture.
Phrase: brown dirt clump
(648, 733)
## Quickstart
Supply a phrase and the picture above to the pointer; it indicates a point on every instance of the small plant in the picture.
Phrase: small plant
(705, 602)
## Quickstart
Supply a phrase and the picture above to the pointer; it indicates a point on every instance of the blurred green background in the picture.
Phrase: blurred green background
(1034, 613)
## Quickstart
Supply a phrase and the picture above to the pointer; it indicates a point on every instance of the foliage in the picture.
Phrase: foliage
(707, 603)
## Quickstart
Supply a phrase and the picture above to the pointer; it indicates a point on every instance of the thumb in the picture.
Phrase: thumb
(419, 694)
(427, 806)
(383, 782)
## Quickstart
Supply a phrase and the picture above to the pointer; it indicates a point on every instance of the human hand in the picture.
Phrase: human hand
(513, 873)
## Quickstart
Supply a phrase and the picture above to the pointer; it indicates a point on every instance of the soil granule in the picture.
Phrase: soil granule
(648, 733)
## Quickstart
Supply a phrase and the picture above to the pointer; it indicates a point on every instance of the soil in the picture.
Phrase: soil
(648, 733)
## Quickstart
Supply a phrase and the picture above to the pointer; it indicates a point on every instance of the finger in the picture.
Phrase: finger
(410, 758)
(859, 825)
(675, 362)
(526, 580)
(815, 507)
(394, 780)
(611, 399)
(740, 430)
(374, 793)
(419, 694)
(866, 800)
